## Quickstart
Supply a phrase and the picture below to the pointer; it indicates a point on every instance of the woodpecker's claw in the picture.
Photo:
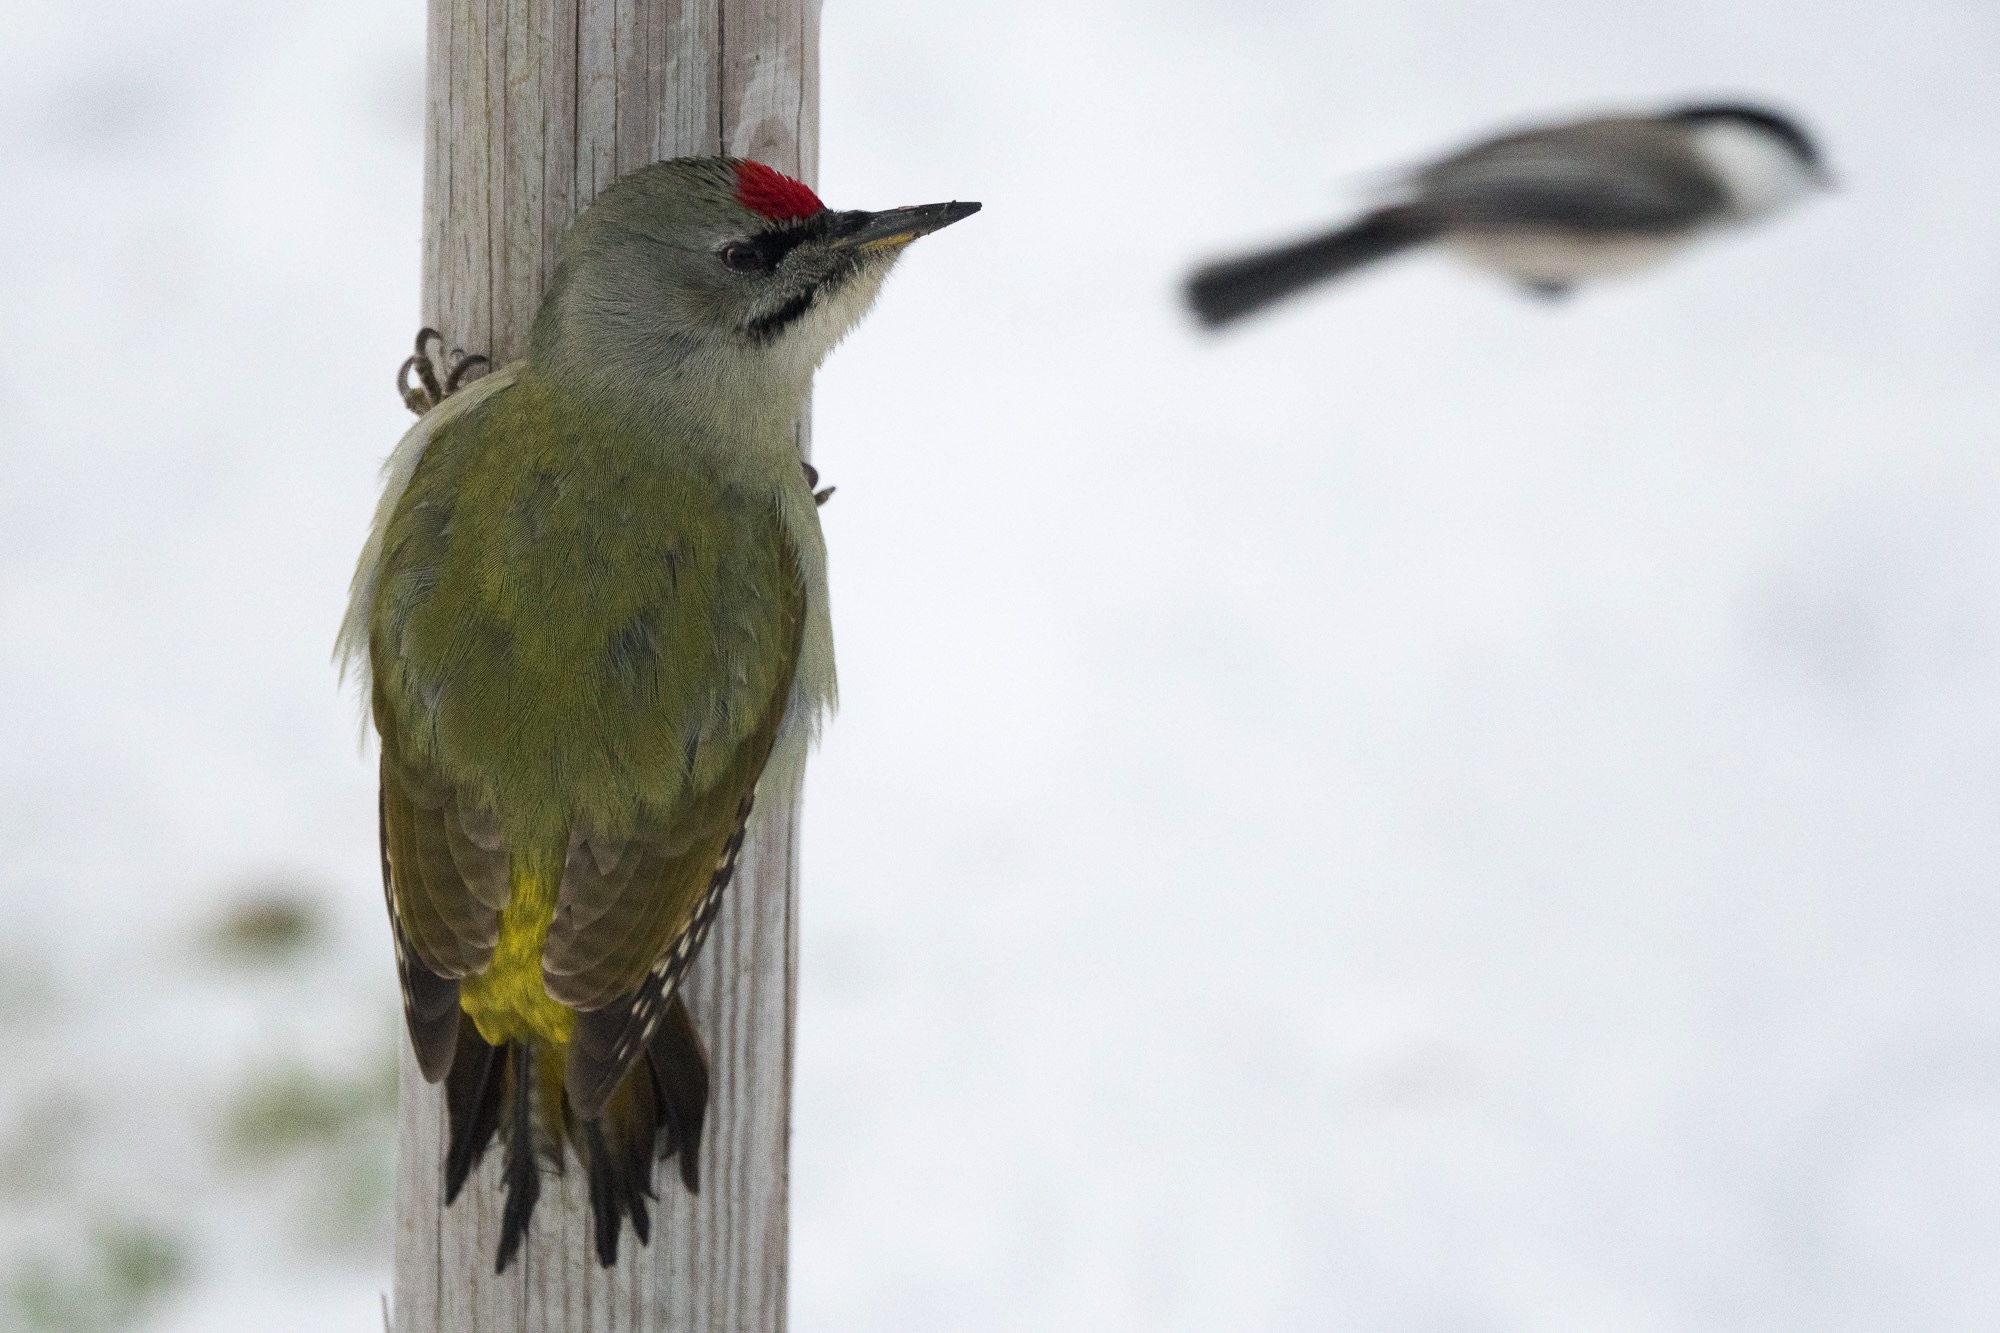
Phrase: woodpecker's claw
(428, 391)
(460, 363)
(812, 480)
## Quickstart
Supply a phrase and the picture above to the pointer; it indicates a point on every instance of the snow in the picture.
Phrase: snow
(1430, 811)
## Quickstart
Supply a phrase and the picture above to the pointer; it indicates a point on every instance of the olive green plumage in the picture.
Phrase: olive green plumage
(591, 622)
(593, 616)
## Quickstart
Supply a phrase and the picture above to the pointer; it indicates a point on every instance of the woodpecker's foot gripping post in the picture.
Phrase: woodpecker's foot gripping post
(812, 479)
(429, 390)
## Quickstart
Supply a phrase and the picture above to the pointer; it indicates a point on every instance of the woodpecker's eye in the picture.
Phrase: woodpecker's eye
(740, 258)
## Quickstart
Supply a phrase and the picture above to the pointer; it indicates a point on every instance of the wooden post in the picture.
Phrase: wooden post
(533, 106)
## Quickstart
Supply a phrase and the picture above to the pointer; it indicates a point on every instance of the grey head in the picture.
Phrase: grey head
(718, 264)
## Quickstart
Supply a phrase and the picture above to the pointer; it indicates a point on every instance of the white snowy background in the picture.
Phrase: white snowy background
(1430, 812)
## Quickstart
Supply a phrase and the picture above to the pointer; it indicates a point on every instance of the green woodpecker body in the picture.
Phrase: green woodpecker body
(593, 616)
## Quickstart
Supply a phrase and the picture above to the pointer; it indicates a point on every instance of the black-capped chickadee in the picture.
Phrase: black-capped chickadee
(1549, 207)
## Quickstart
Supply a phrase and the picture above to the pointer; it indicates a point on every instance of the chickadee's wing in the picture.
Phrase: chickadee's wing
(1618, 174)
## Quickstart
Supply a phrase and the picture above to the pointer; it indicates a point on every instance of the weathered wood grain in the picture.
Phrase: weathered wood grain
(533, 107)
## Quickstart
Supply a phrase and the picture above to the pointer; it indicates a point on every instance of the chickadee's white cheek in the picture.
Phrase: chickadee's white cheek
(1761, 174)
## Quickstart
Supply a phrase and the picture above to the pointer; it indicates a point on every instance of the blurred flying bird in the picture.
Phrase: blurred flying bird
(1550, 207)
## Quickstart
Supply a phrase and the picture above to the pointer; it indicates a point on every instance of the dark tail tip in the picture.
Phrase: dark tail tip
(524, 1174)
(656, 1111)
(680, 1081)
(605, 1214)
(474, 1092)
(651, 1113)
(1226, 291)
(490, 1090)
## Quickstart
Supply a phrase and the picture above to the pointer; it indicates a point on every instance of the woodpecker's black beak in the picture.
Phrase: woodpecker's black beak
(894, 228)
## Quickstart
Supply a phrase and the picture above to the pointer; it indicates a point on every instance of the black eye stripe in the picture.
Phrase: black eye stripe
(773, 245)
(758, 254)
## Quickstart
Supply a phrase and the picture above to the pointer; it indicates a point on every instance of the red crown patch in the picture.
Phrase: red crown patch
(774, 194)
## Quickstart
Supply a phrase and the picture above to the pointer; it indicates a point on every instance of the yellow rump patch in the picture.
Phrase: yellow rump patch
(508, 1001)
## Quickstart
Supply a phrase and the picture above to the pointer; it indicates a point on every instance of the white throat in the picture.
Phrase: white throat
(801, 347)
(1760, 171)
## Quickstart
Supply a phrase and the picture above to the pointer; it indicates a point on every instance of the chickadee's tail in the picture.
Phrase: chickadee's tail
(514, 1092)
(1232, 288)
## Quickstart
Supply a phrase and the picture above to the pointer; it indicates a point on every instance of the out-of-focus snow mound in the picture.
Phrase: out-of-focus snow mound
(1427, 812)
